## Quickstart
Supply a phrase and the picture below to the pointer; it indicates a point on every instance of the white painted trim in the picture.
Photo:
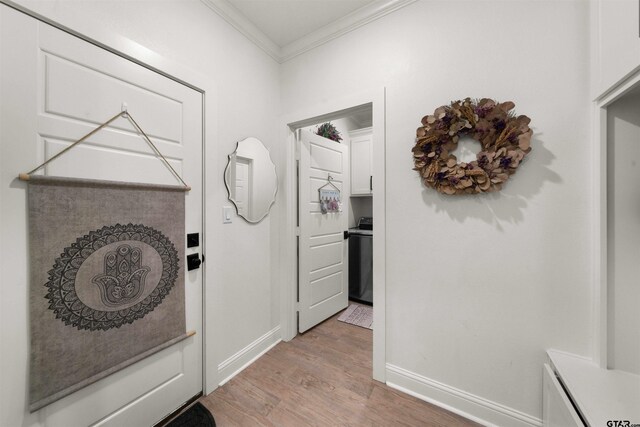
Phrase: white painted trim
(205, 84)
(245, 357)
(342, 26)
(620, 89)
(599, 228)
(617, 90)
(290, 231)
(594, 37)
(237, 20)
(287, 224)
(380, 237)
(599, 233)
(460, 402)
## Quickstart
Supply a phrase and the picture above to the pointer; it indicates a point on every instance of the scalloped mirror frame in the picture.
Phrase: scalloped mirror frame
(265, 167)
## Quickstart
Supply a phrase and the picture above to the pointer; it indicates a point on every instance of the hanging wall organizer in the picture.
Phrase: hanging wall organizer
(107, 275)
(329, 195)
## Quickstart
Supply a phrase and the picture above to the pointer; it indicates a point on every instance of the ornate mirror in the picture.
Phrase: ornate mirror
(251, 180)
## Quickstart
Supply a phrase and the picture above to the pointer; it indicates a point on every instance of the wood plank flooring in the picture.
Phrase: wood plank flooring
(320, 378)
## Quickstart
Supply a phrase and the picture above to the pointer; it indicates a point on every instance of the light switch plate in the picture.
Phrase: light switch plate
(227, 211)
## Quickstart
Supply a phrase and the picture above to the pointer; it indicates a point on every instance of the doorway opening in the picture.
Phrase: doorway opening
(362, 197)
(622, 156)
(617, 129)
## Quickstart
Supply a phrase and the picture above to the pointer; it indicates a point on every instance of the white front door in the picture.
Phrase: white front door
(55, 88)
(322, 259)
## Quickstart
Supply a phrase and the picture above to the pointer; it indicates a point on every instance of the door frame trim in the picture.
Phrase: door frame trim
(133, 51)
(288, 250)
(600, 287)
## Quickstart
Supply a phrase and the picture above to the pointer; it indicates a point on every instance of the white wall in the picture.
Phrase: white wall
(477, 287)
(623, 227)
(360, 206)
(247, 82)
(615, 43)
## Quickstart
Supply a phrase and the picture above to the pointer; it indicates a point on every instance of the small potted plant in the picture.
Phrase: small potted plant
(329, 131)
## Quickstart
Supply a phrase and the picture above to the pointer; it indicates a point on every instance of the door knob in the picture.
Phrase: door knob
(193, 262)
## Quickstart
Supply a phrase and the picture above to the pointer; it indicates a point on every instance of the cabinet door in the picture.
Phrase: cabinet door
(557, 410)
(361, 161)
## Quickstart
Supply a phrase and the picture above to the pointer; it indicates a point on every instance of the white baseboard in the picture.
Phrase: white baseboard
(460, 402)
(245, 357)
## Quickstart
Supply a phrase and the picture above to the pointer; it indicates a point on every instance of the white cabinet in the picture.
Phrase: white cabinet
(361, 162)
(577, 392)
(557, 410)
(616, 47)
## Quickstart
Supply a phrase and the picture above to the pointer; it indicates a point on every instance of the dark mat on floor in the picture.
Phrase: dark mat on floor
(196, 416)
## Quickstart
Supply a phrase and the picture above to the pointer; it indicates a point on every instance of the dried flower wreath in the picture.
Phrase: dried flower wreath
(504, 137)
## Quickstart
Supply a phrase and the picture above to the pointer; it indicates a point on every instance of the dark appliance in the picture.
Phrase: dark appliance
(361, 261)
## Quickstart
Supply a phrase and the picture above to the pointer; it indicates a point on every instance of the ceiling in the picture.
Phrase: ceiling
(286, 28)
(285, 21)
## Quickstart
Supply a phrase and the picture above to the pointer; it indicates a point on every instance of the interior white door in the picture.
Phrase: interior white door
(56, 88)
(322, 259)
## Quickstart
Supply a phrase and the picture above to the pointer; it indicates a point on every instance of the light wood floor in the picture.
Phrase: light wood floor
(320, 378)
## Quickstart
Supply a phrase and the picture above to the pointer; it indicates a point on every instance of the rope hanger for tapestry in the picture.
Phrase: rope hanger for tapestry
(124, 114)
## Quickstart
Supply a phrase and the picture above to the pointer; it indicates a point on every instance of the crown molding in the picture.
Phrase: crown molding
(238, 21)
(338, 28)
(342, 26)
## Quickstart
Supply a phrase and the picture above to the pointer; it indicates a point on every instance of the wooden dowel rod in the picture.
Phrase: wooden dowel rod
(27, 177)
(191, 333)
